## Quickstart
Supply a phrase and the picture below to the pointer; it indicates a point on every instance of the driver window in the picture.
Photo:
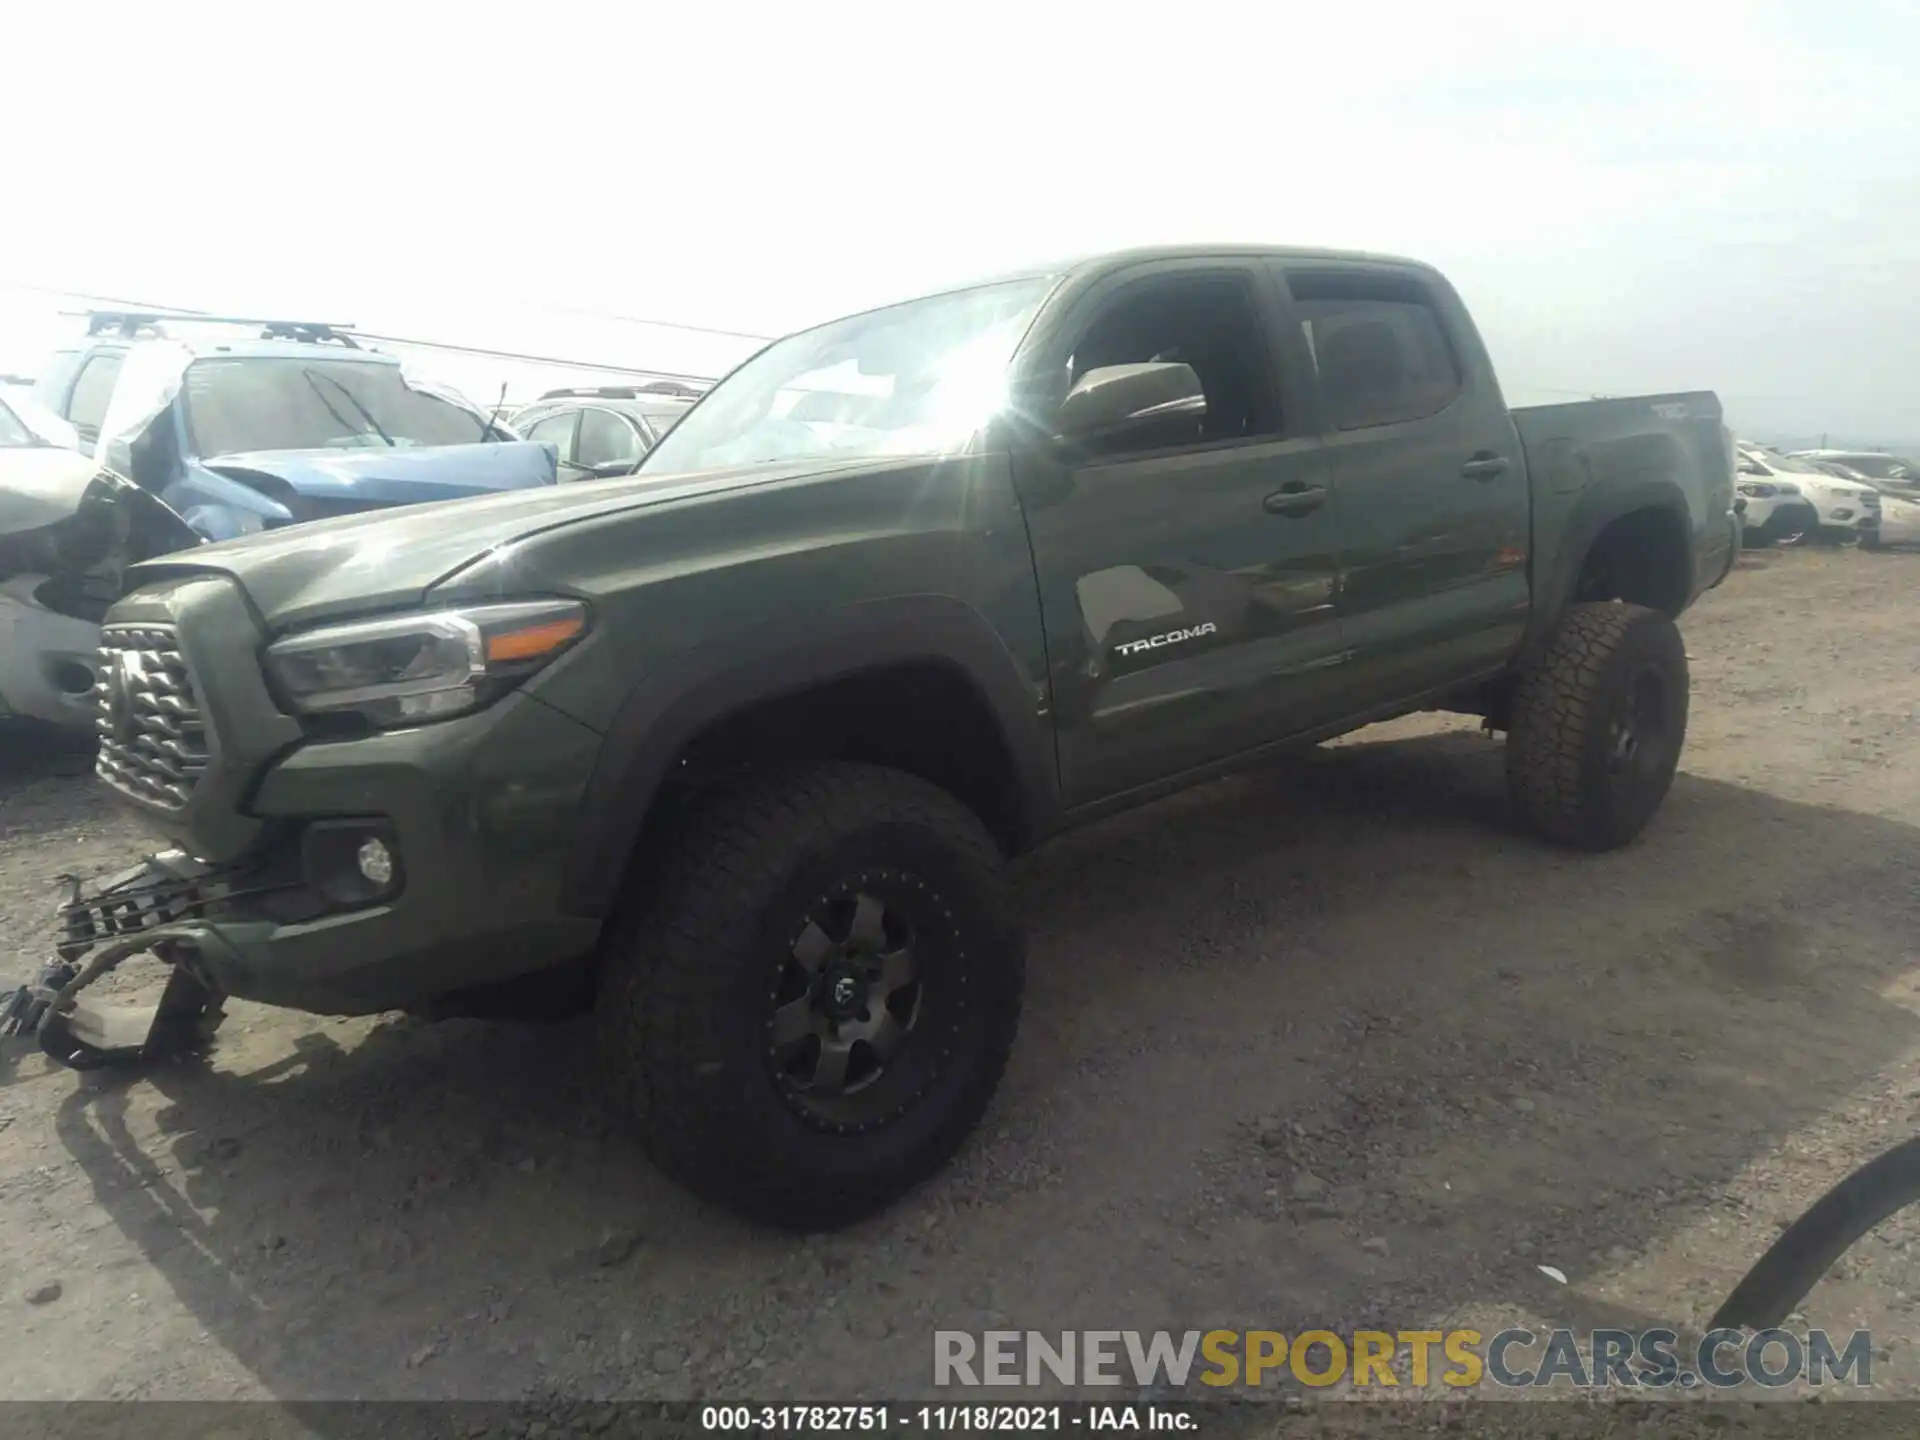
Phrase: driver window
(1209, 322)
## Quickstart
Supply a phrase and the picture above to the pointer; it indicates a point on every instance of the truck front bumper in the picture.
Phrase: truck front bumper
(471, 818)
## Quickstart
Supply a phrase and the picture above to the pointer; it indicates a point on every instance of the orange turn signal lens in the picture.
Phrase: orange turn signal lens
(534, 641)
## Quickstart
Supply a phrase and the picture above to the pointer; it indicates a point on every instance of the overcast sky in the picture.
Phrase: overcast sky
(1633, 196)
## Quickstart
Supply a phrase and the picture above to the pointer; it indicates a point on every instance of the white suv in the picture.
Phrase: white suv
(1776, 513)
(1791, 501)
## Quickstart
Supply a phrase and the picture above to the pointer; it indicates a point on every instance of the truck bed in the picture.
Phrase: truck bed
(1675, 445)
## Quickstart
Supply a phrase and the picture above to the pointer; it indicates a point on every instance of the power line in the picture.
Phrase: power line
(114, 300)
(529, 359)
(658, 324)
(553, 360)
(556, 309)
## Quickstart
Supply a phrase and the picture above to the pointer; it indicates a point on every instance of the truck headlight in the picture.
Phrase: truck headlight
(405, 669)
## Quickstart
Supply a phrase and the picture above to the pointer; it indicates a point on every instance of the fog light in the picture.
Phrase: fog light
(354, 862)
(376, 862)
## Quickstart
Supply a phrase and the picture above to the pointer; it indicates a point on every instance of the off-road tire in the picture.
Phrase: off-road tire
(683, 995)
(1562, 769)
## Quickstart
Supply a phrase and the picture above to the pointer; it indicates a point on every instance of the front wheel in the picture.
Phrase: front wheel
(812, 1003)
(1791, 525)
(1598, 722)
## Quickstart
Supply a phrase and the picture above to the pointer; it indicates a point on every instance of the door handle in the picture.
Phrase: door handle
(1295, 498)
(1484, 466)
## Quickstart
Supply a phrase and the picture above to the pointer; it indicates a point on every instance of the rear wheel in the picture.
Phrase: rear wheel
(813, 1002)
(1598, 723)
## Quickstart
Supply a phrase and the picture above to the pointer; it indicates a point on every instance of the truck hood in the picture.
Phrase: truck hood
(1829, 485)
(399, 476)
(388, 559)
(1842, 486)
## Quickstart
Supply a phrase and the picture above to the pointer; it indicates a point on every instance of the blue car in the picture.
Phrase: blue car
(239, 433)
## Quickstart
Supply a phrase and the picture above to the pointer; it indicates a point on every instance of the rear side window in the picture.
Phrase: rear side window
(557, 431)
(606, 439)
(87, 406)
(1380, 347)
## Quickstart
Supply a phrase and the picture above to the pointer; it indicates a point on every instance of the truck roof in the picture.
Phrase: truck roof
(1113, 259)
(1277, 252)
(1103, 259)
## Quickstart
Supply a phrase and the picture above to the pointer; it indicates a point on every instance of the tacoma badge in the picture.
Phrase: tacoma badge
(1172, 637)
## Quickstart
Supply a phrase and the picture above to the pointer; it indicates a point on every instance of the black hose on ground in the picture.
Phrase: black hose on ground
(1806, 1250)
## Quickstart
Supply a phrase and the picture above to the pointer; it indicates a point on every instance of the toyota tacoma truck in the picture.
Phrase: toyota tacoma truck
(735, 749)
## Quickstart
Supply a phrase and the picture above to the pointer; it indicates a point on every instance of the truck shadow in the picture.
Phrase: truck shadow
(1326, 1045)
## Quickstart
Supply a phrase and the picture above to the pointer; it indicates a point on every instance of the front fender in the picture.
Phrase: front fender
(221, 508)
(673, 704)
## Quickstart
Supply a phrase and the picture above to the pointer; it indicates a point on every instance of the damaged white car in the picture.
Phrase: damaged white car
(68, 528)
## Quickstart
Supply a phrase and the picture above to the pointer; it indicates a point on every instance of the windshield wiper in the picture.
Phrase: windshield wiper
(314, 378)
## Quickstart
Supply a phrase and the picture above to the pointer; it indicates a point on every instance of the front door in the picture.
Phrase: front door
(1187, 580)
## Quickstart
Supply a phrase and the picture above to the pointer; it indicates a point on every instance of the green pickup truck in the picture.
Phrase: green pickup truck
(735, 749)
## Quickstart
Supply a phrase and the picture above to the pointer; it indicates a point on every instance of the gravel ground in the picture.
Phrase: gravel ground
(1322, 1046)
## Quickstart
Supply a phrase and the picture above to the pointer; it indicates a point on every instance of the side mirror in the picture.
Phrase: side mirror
(1139, 407)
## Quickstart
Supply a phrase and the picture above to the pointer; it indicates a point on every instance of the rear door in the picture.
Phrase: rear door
(1187, 589)
(1431, 502)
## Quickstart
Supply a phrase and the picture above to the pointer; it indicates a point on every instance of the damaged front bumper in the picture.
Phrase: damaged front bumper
(159, 909)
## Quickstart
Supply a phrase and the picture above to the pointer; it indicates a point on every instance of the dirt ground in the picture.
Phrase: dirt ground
(1324, 1046)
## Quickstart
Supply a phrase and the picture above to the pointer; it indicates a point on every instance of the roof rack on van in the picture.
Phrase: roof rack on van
(672, 388)
(132, 322)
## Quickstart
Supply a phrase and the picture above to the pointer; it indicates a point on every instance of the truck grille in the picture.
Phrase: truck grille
(153, 742)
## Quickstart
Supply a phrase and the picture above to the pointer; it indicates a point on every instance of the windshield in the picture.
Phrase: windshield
(13, 431)
(913, 379)
(1875, 467)
(241, 403)
(1793, 466)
